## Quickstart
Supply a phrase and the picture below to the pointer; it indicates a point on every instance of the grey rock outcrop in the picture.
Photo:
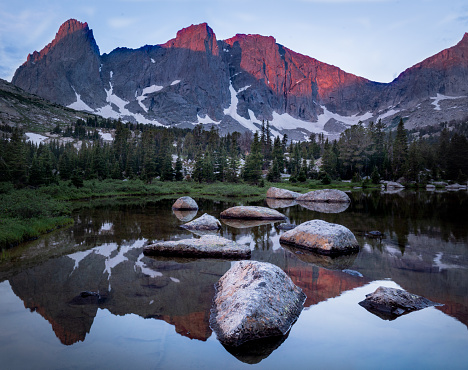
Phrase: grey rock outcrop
(185, 203)
(208, 246)
(390, 303)
(325, 195)
(252, 213)
(254, 300)
(203, 223)
(277, 193)
(321, 237)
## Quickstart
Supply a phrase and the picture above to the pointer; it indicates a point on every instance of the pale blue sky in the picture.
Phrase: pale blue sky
(376, 39)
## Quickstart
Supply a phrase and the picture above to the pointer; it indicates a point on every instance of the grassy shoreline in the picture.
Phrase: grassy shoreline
(26, 214)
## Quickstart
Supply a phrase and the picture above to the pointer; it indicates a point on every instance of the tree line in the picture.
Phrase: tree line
(147, 152)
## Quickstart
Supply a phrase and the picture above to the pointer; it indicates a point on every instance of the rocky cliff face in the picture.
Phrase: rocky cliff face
(236, 83)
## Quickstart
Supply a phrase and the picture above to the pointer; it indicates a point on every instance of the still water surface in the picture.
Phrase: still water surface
(154, 313)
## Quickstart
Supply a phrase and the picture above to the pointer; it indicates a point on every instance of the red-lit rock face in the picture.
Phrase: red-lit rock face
(195, 38)
(69, 27)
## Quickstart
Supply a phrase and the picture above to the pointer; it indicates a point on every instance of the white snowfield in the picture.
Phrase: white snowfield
(35, 138)
(441, 97)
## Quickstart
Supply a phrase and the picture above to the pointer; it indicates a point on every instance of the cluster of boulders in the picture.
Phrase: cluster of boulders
(256, 301)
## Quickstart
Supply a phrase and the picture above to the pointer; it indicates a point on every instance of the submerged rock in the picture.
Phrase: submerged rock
(321, 237)
(285, 226)
(329, 262)
(393, 185)
(390, 303)
(252, 213)
(254, 300)
(208, 246)
(325, 195)
(185, 216)
(205, 222)
(185, 203)
(245, 224)
(277, 193)
(374, 234)
(324, 207)
(280, 203)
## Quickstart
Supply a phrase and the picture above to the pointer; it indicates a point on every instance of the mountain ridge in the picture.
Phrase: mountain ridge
(236, 83)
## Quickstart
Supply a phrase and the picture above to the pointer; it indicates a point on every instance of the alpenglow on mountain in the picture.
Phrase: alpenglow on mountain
(236, 83)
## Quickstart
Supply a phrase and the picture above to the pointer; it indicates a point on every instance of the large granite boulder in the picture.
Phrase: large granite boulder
(208, 246)
(325, 195)
(252, 213)
(203, 223)
(254, 300)
(185, 203)
(321, 237)
(390, 303)
(393, 185)
(277, 193)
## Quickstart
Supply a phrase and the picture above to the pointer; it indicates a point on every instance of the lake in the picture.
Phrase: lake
(153, 313)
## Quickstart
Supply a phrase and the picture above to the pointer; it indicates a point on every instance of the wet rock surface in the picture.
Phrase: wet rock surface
(185, 216)
(185, 203)
(254, 300)
(280, 203)
(277, 193)
(325, 195)
(321, 237)
(285, 226)
(203, 223)
(325, 207)
(252, 213)
(391, 303)
(208, 246)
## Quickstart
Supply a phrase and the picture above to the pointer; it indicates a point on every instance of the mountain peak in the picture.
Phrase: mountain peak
(68, 28)
(199, 37)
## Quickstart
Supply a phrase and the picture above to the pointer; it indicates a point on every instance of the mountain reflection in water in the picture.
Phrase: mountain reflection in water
(424, 250)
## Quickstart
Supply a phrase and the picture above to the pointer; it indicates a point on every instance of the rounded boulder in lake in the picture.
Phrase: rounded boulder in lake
(325, 195)
(254, 300)
(321, 237)
(185, 203)
(205, 222)
(277, 193)
(252, 213)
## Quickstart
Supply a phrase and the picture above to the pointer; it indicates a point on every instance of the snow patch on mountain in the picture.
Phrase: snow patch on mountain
(147, 90)
(232, 111)
(441, 97)
(36, 139)
(175, 82)
(323, 118)
(79, 104)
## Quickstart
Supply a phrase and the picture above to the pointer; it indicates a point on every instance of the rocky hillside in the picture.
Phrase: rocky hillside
(236, 83)
(38, 114)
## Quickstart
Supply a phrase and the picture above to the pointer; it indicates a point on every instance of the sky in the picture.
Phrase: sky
(375, 39)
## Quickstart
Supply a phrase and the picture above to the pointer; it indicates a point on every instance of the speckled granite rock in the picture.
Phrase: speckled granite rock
(205, 222)
(207, 246)
(254, 300)
(277, 193)
(252, 213)
(325, 195)
(185, 203)
(390, 303)
(322, 237)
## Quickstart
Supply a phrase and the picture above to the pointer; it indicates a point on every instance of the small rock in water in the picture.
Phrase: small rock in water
(286, 226)
(391, 303)
(352, 272)
(374, 234)
(205, 222)
(185, 203)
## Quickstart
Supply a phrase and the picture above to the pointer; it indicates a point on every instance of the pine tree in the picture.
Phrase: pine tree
(400, 150)
(178, 170)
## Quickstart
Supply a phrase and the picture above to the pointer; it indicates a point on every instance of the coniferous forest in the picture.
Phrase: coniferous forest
(146, 152)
